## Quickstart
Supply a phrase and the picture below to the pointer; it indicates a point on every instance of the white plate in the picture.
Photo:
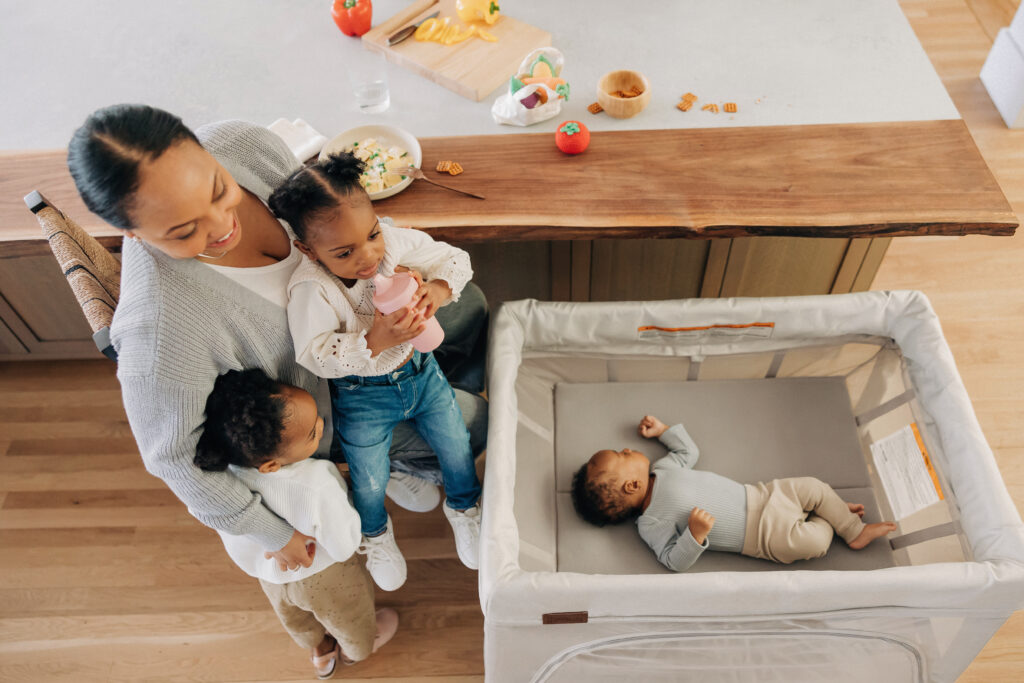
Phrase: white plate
(387, 136)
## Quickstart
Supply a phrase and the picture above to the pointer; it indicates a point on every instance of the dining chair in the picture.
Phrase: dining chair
(92, 272)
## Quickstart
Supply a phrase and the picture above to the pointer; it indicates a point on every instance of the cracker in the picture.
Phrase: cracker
(713, 108)
(595, 108)
(689, 97)
(443, 166)
(685, 105)
(455, 169)
(729, 107)
(636, 90)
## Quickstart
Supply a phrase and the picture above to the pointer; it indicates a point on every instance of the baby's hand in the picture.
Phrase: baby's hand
(651, 427)
(393, 329)
(700, 524)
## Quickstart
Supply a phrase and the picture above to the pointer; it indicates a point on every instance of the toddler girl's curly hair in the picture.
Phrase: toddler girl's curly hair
(316, 191)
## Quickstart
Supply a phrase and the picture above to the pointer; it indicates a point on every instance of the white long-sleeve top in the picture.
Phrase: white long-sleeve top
(312, 496)
(329, 321)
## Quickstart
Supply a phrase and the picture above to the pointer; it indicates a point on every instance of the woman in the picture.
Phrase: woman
(203, 279)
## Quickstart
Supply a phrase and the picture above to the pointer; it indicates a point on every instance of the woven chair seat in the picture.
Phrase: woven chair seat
(92, 271)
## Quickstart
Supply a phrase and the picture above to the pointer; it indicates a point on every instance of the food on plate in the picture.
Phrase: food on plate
(353, 17)
(381, 163)
(572, 137)
(729, 107)
(685, 105)
(595, 108)
(689, 97)
(447, 33)
(713, 108)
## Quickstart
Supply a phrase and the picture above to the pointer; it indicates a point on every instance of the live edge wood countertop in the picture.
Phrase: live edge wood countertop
(841, 180)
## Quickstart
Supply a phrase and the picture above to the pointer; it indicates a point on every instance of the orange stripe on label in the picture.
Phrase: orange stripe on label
(645, 328)
(927, 460)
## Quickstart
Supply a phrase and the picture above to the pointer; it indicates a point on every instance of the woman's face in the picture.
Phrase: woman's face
(186, 204)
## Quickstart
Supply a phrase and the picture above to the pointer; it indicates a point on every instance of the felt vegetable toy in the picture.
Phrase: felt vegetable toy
(353, 17)
(572, 137)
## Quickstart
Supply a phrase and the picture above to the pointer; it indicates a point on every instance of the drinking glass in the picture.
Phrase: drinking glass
(368, 76)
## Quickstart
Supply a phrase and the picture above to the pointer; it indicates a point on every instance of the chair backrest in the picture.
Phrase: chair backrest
(92, 272)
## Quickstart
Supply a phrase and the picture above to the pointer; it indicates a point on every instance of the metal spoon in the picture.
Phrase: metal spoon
(419, 175)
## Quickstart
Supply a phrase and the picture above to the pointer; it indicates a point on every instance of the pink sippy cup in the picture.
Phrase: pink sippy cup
(392, 293)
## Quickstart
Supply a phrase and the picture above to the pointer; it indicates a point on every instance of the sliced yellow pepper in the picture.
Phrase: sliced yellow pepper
(447, 33)
(486, 35)
(431, 29)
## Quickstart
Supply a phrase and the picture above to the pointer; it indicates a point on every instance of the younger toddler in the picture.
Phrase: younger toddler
(681, 512)
(265, 433)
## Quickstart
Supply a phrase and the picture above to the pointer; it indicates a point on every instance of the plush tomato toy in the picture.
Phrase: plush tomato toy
(353, 17)
(572, 137)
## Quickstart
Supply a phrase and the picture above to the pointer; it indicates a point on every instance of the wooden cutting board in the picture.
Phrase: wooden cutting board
(472, 68)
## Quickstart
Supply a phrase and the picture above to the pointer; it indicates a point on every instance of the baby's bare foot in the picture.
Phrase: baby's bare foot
(856, 508)
(870, 533)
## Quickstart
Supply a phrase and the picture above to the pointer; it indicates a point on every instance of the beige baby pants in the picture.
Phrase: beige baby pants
(792, 519)
(337, 600)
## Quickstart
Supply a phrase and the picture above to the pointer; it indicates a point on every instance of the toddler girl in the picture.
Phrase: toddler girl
(377, 379)
(265, 433)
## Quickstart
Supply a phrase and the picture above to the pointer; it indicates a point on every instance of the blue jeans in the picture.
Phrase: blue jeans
(366, 410)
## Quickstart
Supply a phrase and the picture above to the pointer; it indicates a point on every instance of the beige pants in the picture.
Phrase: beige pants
(793, 519)
(338, 600)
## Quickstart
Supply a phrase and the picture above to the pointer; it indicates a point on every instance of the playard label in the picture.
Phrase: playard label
(906, 472)
(764, 330)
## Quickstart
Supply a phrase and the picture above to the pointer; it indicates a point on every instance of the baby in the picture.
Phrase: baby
(683, 512)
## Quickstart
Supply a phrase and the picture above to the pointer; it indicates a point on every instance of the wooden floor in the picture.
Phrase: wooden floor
(105, 577)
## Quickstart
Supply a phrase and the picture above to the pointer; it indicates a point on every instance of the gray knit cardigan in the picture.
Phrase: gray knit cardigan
(178, 325)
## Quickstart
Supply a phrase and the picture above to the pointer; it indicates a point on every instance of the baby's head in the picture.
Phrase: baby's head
(332, 217)
(611, 486)
(254, 421)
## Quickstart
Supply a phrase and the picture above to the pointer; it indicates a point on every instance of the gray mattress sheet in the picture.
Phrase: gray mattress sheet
(749, 430)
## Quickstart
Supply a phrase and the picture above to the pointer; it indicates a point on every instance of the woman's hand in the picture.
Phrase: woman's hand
(298, 552)
(393, 329)
(651, 427)
(430, 295)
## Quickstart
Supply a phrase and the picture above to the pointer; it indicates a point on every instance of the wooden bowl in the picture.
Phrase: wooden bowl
(624, 80)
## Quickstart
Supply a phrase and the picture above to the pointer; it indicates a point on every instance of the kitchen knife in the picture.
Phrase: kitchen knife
(404, 33)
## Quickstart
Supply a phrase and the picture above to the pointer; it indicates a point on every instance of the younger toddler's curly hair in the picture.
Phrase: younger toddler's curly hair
(245, 417)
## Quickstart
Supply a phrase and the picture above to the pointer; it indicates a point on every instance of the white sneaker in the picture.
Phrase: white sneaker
(466, 526)
(384, 560)
(412, 493)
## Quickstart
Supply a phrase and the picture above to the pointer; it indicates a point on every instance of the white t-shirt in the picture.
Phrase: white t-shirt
(313, 497)
(270, 282)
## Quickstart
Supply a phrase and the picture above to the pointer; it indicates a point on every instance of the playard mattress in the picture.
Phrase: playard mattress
(768, 388)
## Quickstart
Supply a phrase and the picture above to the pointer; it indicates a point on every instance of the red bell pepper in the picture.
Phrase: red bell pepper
(353, 17)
